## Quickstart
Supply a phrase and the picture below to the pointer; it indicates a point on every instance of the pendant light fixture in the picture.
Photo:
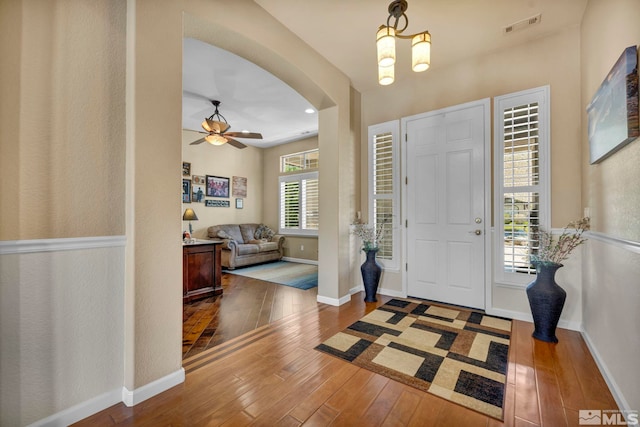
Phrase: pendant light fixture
(386, 44)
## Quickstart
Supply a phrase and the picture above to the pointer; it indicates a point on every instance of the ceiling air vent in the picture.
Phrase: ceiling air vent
(521, 25)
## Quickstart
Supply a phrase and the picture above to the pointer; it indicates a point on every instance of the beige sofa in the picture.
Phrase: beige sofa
(247, 244)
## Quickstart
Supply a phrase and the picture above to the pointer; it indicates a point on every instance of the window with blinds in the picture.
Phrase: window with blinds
(384, 190)
(521, 159)
(300, 161)
(299, 204)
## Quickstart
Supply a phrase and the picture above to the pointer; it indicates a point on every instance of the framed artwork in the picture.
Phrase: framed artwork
(186, 191)
(197, 195)
(198, 180)
(239, 203)
(239, 186)
(217, 186)
(613, 111)
(186, 169)
(217, 203)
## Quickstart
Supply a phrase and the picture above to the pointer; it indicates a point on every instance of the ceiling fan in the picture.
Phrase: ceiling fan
(216, 126)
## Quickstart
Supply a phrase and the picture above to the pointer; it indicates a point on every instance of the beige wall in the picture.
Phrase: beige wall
(294, 246)
(63, 119)
(226, 161)
(611, 269)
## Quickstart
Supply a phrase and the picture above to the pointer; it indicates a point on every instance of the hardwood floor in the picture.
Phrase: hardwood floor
(272, 376)
(246, 304)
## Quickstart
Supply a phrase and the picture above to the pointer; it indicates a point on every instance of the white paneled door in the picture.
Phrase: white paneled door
(445, 193)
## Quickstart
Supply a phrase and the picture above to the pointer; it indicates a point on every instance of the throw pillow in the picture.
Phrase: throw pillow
(264, 232)
(223, 235)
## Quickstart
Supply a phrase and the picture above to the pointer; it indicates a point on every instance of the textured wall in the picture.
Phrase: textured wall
(611, 269)
(63, 119)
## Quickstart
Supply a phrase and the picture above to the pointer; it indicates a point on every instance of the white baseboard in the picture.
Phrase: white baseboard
(392, 293)
(300, 260)
(132, 398)
(526, 317)
(62, 244)
(623, 405)
(334, 301)
(80, 411)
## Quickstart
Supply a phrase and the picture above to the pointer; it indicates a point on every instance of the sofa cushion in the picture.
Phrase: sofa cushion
(268, 246)
(248, 231)
(230, 231)
(247, 249)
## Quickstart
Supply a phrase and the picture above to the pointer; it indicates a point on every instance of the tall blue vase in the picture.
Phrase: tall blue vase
(546, 300)
(371, 272)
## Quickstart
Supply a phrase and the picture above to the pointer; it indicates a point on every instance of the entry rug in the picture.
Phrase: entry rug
(454, 353)
(297, 275)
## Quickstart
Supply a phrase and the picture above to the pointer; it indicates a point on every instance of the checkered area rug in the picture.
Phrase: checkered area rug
(453, 353)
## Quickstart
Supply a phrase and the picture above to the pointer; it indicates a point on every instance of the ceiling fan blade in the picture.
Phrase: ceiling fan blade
(253, 135)
(235, 143)
(199, 141)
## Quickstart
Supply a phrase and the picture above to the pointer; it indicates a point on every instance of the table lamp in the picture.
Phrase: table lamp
(189, 215)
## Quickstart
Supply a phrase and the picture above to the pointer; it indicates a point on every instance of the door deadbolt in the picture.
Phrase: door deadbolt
(478, 220)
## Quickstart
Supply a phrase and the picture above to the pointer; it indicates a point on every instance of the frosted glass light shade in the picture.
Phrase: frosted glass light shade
(386, 43)
(421, 52)
(386, 75)
(215, 139)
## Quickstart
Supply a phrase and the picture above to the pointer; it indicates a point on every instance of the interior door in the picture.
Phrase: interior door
(445, 193)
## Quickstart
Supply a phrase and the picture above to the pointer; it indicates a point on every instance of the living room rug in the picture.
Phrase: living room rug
(297, 275)
(458, 354)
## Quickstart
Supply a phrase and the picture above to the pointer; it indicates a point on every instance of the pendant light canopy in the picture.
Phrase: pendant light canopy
(386, 44)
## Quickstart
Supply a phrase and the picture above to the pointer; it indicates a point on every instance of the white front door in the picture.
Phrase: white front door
(445, 193)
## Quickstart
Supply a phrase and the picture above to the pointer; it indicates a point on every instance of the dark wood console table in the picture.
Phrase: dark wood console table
(201, 269)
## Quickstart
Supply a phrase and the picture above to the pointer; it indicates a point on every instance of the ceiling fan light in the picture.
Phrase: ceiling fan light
(205, 126)
(386, 43)
(215, 139)
(421, 52)
(386, 75)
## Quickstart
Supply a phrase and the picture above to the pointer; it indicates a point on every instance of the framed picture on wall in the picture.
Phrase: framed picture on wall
(198, 180)
(186, 169)
(613, 111)
(217, 186)
(197, 195)
(239, 203)
(239, 186)
(186, 191)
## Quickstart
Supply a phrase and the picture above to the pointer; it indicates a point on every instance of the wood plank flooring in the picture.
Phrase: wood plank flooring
(246, 304)
(272, 376)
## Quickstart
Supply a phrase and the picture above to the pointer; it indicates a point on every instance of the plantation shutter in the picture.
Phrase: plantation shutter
(299, 204)
(521, 193)
(383, 191)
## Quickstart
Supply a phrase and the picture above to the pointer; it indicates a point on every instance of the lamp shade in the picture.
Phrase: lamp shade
(386, 43)
(189, 215)
(215, 139)
(421, 52)
(386, 75)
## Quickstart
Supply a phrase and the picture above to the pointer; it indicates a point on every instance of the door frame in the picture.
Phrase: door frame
(488, 190)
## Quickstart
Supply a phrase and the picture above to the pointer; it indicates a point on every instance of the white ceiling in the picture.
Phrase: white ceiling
(343, 31)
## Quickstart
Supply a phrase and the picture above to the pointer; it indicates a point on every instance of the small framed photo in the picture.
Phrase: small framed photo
(217, 186)
(197, 194)
(186, 169)
(198, 180)
(186, 191)
(239, 203)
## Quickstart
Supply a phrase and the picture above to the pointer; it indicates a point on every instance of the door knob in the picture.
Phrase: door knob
(476, 232)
